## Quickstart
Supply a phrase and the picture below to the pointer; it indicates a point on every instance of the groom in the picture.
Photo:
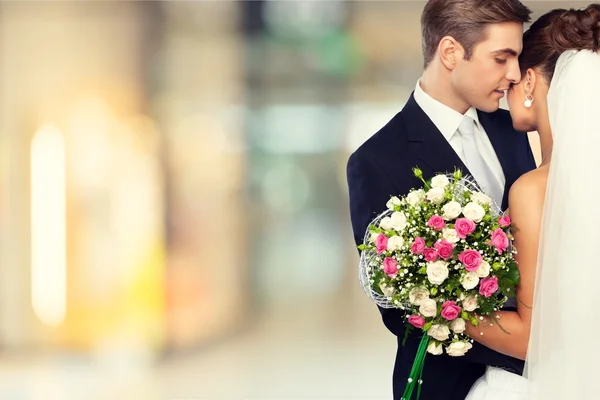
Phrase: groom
(451, 120)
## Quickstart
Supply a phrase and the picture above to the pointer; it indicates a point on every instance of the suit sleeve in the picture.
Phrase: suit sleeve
(480, 354)
(369, 190)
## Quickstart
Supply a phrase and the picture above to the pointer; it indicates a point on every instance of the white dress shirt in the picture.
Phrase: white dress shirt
(448, 120)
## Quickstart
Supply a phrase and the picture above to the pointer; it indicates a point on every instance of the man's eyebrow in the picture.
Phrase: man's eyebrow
(507, 51)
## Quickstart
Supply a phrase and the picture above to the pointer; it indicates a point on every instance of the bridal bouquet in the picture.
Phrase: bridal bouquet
(442, 254)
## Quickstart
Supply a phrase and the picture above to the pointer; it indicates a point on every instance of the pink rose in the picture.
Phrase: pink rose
(390, 267)
(417, 321)
(504, 222)
(488, 286)
(430, 254)
(450, 310)
(381, 243)
(418, 246)
(464, 227)
(499, 240)
(436, 222)
(471, 259)
(445, 249)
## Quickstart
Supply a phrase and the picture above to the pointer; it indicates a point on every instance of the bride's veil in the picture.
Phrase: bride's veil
(563, 360)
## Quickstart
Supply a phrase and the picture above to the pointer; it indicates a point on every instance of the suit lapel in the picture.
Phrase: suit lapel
(435, 154)
(427, 143)
(501, 141)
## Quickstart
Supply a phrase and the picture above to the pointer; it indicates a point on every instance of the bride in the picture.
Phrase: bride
(556, 213)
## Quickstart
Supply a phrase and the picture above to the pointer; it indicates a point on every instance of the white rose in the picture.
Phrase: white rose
(398, 221)
(457, 349)
(439, 181)
(388, 291)
(373, 237)
(470, 280)
(395, 243)
(415, 197)
(439, 332)
(437, 272)
(394, 201)
(436, 195)
(474, 212)
(386, 223)
(458, 325)
(470, 303)
(481, 198)
(428, 308)
(450, 235)
(418, 295)
(451, 210)
(483, 270)
(435, 348)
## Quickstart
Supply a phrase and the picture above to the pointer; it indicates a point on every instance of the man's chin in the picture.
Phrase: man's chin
(489, 106)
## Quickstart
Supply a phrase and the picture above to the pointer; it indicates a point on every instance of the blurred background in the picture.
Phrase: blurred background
(173, 205)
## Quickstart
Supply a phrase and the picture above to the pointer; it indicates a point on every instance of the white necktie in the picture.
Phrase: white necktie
(479, 168)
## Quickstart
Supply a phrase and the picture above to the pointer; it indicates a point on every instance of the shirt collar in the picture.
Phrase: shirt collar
(444, 118)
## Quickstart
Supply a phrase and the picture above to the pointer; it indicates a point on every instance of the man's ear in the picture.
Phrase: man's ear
(450, 52)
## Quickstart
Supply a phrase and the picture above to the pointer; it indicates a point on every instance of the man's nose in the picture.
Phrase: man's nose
(514, 72)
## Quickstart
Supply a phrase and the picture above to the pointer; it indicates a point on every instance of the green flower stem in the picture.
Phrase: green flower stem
(416, 373)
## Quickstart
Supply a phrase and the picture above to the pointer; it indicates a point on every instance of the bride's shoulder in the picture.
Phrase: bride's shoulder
(530, 188)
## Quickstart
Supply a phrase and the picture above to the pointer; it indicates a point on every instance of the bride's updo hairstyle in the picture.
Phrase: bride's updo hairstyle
(556, 32)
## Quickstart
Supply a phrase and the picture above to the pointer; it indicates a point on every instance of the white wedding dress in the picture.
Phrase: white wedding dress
(563, 355)
(498, 384)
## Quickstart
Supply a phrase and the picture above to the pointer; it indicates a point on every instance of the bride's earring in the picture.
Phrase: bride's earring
(528, 101)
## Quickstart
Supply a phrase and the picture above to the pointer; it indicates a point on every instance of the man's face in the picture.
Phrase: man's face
(494, 65)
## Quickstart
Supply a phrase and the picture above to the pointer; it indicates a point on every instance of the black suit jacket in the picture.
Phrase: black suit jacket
(381, 168)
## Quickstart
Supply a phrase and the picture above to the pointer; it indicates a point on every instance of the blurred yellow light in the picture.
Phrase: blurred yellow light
(48, 226)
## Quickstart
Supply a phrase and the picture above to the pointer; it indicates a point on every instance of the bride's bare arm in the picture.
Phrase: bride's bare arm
(526, 199)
